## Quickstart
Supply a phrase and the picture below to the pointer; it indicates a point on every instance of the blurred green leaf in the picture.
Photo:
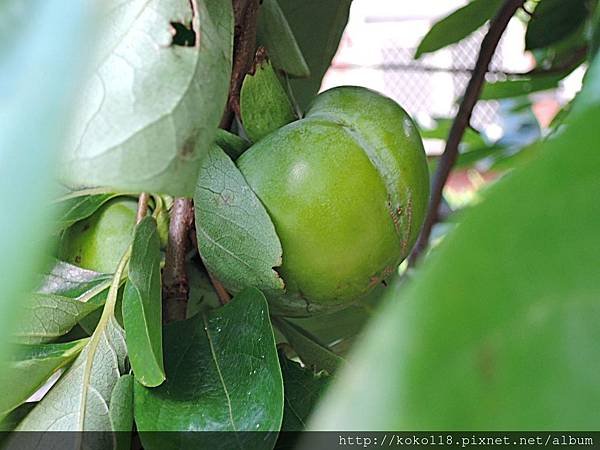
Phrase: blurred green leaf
(226, 208)
(222, 375)
(458, 25)
(142, 306)
(441, 130)
(275, 34)
(264, 104)
(500, 328)
(318, 26)
(231, 143)
(149, 112)
(12, 420)
(303, 388)
(202, 295)
(81, 400)
(554, 20)
(520, 86)
(30, 367)
(311, 351)
(38, 77)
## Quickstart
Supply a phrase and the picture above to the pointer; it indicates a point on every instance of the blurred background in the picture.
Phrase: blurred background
(377, 51)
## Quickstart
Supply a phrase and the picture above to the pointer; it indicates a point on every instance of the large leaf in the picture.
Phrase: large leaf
(311, 351)
(30, 367)
(38, 76)
(264, 104)
(82, 398)
(500, 329)
(151, 108)
(318, 26)
(236, 236)
(554, 20)
(142, 306)
(222, 375)
(275, 34)
(458, 25)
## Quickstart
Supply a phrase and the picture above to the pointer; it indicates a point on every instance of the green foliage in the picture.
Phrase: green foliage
(520, 86)
(275, 34)
(151, 109)
(264, 104)
(79, 207)
(142, 303)
(318, 26)
(222, 375)
(554, 20)
(30, 367)
(235, 235)
(458, 25)
(499, 331)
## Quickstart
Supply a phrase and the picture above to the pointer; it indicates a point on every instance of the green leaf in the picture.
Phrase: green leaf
(313, 353)
(121, 411)
(441, 130)
(303, 388)
(231, 143)
(38, 77)
(80, 207)
(500, 328)
(520, 86)
(275, 34)
(318, 26)
(264, 104)
(30, 367)
(142, 306)
(202, 296)
(222, 375)
(458, 25)
(81, 400)
(71, 281)
(150, 111)
(554, 20)
(47, 316)
(12, 420)
(236, 236)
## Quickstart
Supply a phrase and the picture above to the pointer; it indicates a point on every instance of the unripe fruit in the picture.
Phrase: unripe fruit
(98, 242)
(346, 188)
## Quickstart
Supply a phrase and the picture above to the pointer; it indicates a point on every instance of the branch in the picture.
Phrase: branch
(175, 281)
(244, 44)
(488, 47)
(142, 207)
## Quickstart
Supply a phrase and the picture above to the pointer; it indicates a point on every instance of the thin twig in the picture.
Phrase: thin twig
(488, 47)
(175, 280)
(244, 44)
(142, 207)
(222, 293)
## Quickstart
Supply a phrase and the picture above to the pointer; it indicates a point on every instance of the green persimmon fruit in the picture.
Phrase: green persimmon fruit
(347, 189)
(98, 242)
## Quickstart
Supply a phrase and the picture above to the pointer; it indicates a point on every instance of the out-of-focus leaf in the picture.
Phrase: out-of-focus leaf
(554, 20)
(12, 420)
(226, 209)
(520, 86)
(264, 104)
(202, 297)
(458, 25)
(311, 351)
(142, 306)
(38, 77)
(472, 137)
(149, 111)
(505, 312)
(82, 398)
(81, 207)
(318, 26)
(468, 159)
(222, 375)
(30, 367)
(594, 46)
(275, 34)
(303, 388)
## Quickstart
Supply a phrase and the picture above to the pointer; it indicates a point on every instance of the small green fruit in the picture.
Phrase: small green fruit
(98, 242)
(347, 189)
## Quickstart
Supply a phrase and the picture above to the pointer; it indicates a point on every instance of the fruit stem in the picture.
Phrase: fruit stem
(142, 207)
